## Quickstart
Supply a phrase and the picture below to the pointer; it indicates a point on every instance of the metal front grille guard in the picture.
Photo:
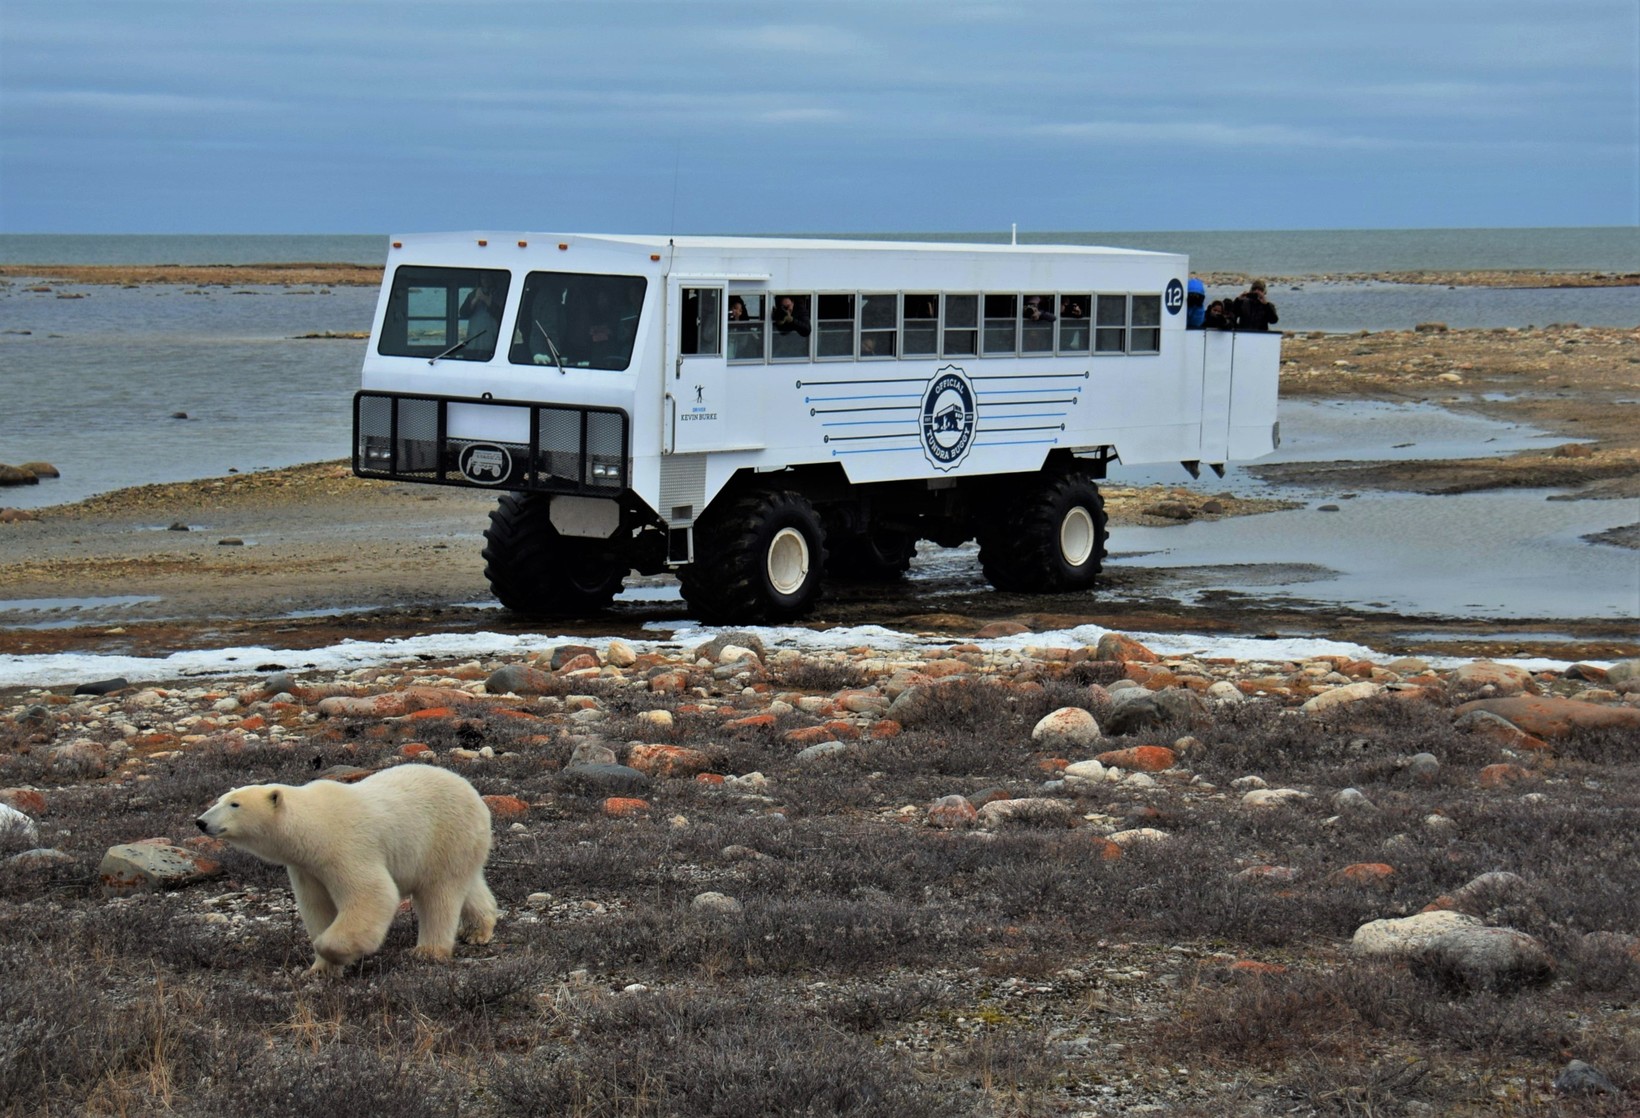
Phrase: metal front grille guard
(405, 437)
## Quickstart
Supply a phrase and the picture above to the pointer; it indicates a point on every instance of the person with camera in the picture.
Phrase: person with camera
(1253, 311)
(789, 317)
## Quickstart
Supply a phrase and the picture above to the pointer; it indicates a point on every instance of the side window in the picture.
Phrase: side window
(747, 320)
(790, 328)
(1110, 324)
(835, 322)
(1074, 334)
(922, 325)
(1146, 334)
(699, 325)
(879, 323)
(1036, 319)
(961, 326)
(999, 323)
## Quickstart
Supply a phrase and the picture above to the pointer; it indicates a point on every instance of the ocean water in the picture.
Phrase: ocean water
(1303, 252)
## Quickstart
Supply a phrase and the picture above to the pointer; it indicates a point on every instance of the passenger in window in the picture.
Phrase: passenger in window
(789, 317)
(1035, 311)
(1252, 311)
(1195, 308)
(1217, 317)
(1070, 308)
(482, 310)
(737, 309)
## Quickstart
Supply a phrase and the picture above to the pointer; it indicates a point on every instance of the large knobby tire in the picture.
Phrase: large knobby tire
(1047, 537)
(759, 558)
(880, 556)
(534, 570)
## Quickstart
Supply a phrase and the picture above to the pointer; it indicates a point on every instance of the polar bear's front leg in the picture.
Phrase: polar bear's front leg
(313, 901)
(365, 909)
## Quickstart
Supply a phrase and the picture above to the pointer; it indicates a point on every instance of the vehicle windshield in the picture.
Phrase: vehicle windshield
(449, 314)
(587, 322)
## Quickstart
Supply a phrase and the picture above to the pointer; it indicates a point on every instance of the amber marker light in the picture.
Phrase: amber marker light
(398, 244)
(483, 243)
(654, 256)
(562, 246)
(523, 244)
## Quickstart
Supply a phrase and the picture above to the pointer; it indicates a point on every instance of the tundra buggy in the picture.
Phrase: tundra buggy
(758, 415)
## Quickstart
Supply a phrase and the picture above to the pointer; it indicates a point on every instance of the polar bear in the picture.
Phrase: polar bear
(353, 851)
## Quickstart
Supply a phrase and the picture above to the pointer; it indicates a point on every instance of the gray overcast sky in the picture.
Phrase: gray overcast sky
(893, 115)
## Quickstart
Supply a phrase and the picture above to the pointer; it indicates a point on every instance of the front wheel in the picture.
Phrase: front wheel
(760, 558)
(1048, 539)
(534, 570)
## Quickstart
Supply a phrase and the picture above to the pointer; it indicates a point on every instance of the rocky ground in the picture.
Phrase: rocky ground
(1062, 880)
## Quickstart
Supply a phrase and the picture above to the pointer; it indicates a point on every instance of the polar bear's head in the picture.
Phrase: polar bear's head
(244, 814)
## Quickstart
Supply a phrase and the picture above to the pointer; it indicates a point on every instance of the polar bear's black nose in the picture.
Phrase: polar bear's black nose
(202, 826)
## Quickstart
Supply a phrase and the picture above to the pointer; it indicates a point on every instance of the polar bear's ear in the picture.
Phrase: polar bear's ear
(273, 797)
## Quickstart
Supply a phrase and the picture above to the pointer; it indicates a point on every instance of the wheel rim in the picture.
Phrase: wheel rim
(788, 561)
(1077, 537)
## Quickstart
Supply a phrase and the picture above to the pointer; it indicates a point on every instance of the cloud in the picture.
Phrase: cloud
(107, 102)
(1209, 133)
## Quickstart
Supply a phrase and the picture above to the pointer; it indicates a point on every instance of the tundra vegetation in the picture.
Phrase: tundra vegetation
(956, 882)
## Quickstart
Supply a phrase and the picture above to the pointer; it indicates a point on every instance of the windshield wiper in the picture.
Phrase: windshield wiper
(468, 340)
(452, 349)
(557, 358)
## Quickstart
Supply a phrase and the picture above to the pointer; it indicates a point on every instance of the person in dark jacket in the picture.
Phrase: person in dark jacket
(1217, 316)
(1195, 304)
(1253, 311)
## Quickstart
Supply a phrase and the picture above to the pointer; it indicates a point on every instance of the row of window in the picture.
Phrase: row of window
(574, 320)
(805, 326)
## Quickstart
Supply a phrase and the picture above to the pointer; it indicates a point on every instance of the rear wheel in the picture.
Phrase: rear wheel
(1048, 539)
(533, 569)
(759, 558)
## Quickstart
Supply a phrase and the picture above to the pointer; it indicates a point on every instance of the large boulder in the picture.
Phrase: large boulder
(1550, 717)
(141, 867)
(17, 831)
(1174, 707)
(1504, 679)
(1400, 938)
(1066, 729)
(1499, 960)
(1120, 646)
(603, 780)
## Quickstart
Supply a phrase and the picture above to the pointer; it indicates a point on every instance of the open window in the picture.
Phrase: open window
(834, 338)
(922, 325)
(1000, 325)
(791, 326)
(879, 322)
(961, 326)
(748, 319)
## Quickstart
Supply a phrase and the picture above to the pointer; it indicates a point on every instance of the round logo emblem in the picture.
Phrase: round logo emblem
(1174, 297)
(485, 464)
(947, 418)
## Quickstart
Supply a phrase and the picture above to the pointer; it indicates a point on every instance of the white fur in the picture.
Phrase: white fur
(353, 851)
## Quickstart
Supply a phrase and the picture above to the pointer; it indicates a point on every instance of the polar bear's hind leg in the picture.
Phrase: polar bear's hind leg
(478, 912)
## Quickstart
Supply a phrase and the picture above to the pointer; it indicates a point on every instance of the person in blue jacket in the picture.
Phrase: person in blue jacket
(1195, 302)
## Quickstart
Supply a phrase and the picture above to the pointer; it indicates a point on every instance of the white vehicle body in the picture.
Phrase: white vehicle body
(642, 424)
